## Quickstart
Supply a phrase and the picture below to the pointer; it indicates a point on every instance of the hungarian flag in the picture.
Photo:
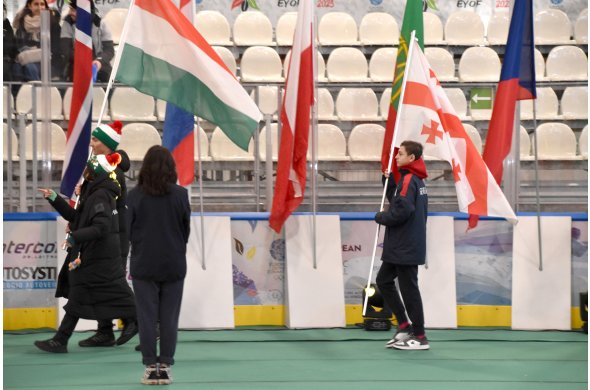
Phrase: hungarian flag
(78, 135)
(178, 135)
(413, 21)
(164, 56)
(517, 82)
(295, 119)
(427, 116)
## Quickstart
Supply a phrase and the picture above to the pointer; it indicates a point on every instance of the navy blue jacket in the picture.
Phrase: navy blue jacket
(405, 219)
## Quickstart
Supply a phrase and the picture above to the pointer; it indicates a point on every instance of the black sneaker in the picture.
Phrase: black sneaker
(412, 343)
(52, 346)
(164, 374)
(400, 335)
(150, 375)
(129, 330)
(98, 340)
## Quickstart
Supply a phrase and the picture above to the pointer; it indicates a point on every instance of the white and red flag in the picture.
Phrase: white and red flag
(429, 118)
(295, 119)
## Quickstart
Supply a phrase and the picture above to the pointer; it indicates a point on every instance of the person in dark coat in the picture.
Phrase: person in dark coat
(104, 140)
(158, 222)
(91, 277)
(404, 247)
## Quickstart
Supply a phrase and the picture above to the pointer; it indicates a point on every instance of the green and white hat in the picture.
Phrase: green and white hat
(109, 134)
(104, 163)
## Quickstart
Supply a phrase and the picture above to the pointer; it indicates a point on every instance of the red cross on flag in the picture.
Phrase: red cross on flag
(428, 117)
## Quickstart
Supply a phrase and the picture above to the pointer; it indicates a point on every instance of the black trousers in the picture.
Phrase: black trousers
(407, 278)
(66, 328)
(158, 302)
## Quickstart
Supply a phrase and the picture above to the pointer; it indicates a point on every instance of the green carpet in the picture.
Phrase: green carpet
(275, 358)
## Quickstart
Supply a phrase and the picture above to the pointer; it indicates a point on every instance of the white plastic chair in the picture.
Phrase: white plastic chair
(357, 104)
(365, 142)
(552, 27)
(379, 28)
(547, 105)
(498, 26)
(98, 95)
(223, 149)
(285, 28)
(382, 64)
(458, 101)
(583, 142)
(137, 138)
(128, 104)
(14, 146)
(252, 28)
(555, 141)
(204, 145)
(214, 27)
(479, 64)
(161, 110)
(525, 144)
(115, 20)
(474, 136)
(384, 103)
(567, 63)
(441, 62)
(321, 64)
(24, 102)
(539, 66)
(325, 105)
(261, 63)
(274, 134)
(574, 103)
(464, 28)
(346, 64)
(331, 144)
(267, 99)
(337, 29)
(433, 29)
(581, 28)
(58, 142)
(228, 58)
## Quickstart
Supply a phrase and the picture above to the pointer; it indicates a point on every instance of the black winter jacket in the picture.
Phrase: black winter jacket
(123, 167)
(405, 220)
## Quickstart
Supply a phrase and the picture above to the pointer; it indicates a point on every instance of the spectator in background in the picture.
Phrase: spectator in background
(27, 27)
(103, 49)
(12, 70)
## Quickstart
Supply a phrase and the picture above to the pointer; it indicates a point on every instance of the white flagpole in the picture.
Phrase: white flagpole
(393, 141)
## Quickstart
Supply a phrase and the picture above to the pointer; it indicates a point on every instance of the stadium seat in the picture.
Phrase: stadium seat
(24, 101)
(223, 149)
(267, 99)
(382, 64)
(204, 145)
(567, 63)
(474, 136)
(555, 141)
(574, 103)
(274, 134)
(347, 64)
(581, 28)
(525, 144)
(379, 28)
(337, 29)
(252, 28)
(321, 64)
(115, 20)
(479, 64)
(433, 29)
(498, 26)
(98, 95)
(583, 143)
(458, 100)
(441, 62)
(365, 142)
(14, 145)
(261, 63)
(137, 138)
(325, 103)
(357, 104)
(547, 105)
(384, 103)
(464, 28)
(214, 27)
(552, 27)
(228, 58)
(539, 66)
(161, 110)
(58, 142)
(331, 144)
(6, 95)
(128, 104)
(285, 28)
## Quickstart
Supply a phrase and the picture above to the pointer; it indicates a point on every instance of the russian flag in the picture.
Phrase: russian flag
(78, 135)
(517, 82)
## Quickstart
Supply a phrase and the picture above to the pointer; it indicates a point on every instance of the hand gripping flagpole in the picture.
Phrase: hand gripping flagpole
(391, 151)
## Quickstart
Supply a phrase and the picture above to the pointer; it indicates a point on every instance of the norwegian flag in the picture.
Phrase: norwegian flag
(78, 135)
(428, 117)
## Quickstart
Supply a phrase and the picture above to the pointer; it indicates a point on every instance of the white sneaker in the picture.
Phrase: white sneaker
(412, 343)
(400, 335)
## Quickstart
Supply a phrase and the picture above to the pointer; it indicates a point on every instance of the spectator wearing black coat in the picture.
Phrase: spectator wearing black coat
(158, 226)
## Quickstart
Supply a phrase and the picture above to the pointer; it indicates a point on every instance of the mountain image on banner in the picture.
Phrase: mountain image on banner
(165, 56)
(427, 116)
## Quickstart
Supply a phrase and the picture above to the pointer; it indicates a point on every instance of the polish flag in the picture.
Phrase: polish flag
(428, 117)
(295, 119)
